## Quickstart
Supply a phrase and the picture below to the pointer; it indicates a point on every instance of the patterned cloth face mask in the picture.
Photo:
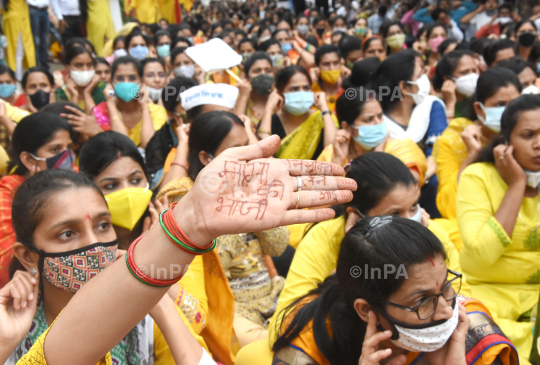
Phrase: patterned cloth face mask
(70, 270)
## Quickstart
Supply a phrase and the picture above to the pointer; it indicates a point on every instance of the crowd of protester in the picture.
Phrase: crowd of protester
(360, 187)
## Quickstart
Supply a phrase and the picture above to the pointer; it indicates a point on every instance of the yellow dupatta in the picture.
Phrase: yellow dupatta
(303, 141)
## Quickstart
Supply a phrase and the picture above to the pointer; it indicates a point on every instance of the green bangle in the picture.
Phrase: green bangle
(138, 278)
(181, 244)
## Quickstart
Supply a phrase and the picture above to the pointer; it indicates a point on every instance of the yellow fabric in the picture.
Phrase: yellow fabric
(125, 30)
(210, 286)
(316, 258)
(4, 160)
(188, 4)
(14, 113)
(162, 352)
(193, 282)
(14, 22)
(159, 118)
(147, 10)
(449, 152)
(330, 99)
(99, 25)
(503, 271)
(36, 355)
(188, 325)
(405, 149)
(167, 10)
(297, 232)
(256, 352)
(303, 141)
(410, 154)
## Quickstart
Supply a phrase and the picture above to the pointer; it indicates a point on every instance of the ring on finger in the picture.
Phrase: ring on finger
(299, 183)
(501, 157)
(297, 200)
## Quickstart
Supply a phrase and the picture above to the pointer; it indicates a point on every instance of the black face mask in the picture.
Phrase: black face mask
(526, 39)
(40, 98)
(262, 84)
(320, 31)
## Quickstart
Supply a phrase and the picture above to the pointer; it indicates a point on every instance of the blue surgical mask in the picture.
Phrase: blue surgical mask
(493, 117)
(6, 90)
(190, 39)
(286, 47)
(164, 50)
(370, 136)
(417, 217)
(299, 102)
(126, 91)
(533, 178)
(139, 52)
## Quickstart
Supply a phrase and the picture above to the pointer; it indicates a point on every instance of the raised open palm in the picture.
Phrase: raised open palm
(244, 190)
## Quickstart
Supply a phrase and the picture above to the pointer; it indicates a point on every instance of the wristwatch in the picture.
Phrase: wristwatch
(325, 112)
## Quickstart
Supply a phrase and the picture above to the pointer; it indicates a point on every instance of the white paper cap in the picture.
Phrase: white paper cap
(223, 95)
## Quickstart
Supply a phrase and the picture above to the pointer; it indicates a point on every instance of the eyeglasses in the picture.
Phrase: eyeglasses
(428, 306)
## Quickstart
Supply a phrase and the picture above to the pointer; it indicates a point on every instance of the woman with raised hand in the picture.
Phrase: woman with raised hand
(83, 87)
(304, 131)
(40, 141)
(391, 301)
(128, 109)
(497, 210)
(62, 245)
(90, 325)
(460, 143)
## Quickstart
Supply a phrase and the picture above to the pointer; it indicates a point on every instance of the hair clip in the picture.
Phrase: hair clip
(376, 223)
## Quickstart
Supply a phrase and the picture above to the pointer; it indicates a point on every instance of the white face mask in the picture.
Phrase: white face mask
(82, 78)
(424, 87)
(417, 217)
(493, 117)
(466, 85)
(530, 90)
(185, 71)
(155, 94)
(533, 178)
(120, 52)
(427, 339)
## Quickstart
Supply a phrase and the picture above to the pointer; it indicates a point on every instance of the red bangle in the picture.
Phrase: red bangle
(140, 274)
(176, 231)
(180, 164)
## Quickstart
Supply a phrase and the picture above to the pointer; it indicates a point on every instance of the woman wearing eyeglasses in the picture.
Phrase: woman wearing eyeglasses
(498, 212)
(392, 292)
(155, 78)
(128, 109)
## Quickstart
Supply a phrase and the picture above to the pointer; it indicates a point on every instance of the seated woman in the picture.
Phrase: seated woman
(118, 48)
(37, 84)
(137, 45)
(329, 74)
(183, 66)
(386, 187)
(82, 86)
(254, 92)
(113, 162)
(8, 85)
(162, 42)
(103, 69)
(497, 211)
(364, 129)
(411, 315)
(154, 77)
(435, 35)
(93, 313)
(456, 76)
(122, 112)
(163, 145)
(304, 132)
(40, 141)
(240, 257)
(70, 226)
(461, 143)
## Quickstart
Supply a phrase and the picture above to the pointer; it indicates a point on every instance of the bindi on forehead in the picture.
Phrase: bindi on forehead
(431, 260)
(88, 217)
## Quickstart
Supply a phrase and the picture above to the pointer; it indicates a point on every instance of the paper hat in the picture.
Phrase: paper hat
(223, 95)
